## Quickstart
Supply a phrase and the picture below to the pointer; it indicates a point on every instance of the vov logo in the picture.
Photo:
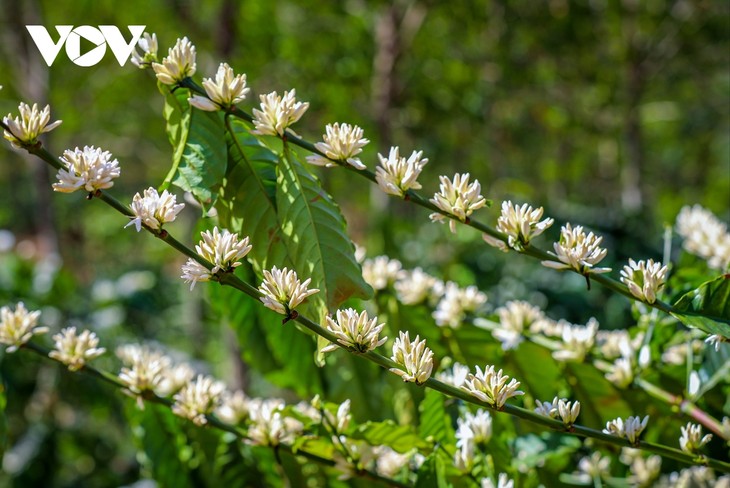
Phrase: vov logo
(101, 37)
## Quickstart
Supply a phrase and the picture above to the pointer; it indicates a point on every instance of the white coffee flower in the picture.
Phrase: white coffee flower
(17, 327)
(414, 287)
(705, 236)
(476, 428)
(269, 426)
(644, 471)
(148, 44)
(618, 343)
(414, 356)
(457, 197)
(456, 303)
(278, 113)
(179, 63)
(693, 477)
(198, 398)
(577, 340)
(503, 481)
(464, 457)
(282, 291)
(644, 279)
(91, 169)
(351, 456)
(594, 467)
(342, 142)
(154, 209)
(32, 122)
(521, 224)
(340, 420)
(631, 428)
(621, 372)
(355, 330)
(716, 340)
(492, 386)
(454, 376)
(677, 354)
(578, 250)
(233, 408)
(144, 370)
(174, 378)
(193, 272)
(692, 439)
(388, 462)
(568, 411)
(224, 92)
(381, 272)
(223, 249)
(514, 318)
(396, 175)
(548, 409)
(75, 350)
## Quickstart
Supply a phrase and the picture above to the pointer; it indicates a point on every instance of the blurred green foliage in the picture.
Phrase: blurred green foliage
(610, 114)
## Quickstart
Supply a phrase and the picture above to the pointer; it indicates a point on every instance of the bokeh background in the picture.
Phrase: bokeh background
(610, 114)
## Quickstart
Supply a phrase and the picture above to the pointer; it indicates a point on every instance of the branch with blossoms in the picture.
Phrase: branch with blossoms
(457, 199)
(282, 291)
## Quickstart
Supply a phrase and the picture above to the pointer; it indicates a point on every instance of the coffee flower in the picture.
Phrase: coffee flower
(568, 411)
(503, 481)
(414, 356)
(269, 426)
(577, 340)
(342, 142)
(492, 387)
(75, 350)
(396, 175)
(705, 236)
(548, 409)
(355, 330)
(197, 399)
(457, 197)
(594, 467)
(578, 250)
(148, 44)
(144, 370)
(282, 291)
(514, 318)
(154, 209)
(277, 113)
(456, 303)
(17, 327)
(91, 169)
(224, 92)
(223, 249)
(692, 440)
(25, 130)
(415, 286)
(381, 272)
(179, 63)
(521, 224)
(644, 279)
(476, 428)
(174, 378)
(233, 407)
(631, 428)
(454, 376)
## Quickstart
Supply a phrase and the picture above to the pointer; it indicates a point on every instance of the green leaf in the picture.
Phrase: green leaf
(536, 369)
(707, 308)
(247, 202)
(600, 400)
(315, 234)
(434, 420)
(199, 150)
(431, 474)
(400, 438)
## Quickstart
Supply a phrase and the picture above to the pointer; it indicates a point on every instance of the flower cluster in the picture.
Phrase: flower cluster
(457, 197)
(148, 45)
(514, 318)
(224, 92)
(90, 169)
(154, 209)
(282, 291)
(559, 407)
(491, 386)
(233, 408)
(594, 467)
(644, 279)
(179, 63)
(705, 236)
(223, 249)
(269, 426)
(396, 175)
(578, 250)
(75, 350)
(278, 113)
(473, 430)
(414, 356)
(456, 303)
(692, 439)
(577, 340)
(340, 143)
(503, 481)
(25, 130)
(631, 428)
(520, 224)
(17, 327)
(198, 398)
(415, 286)
(454, 376)
(381, 272)
(355, 330)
